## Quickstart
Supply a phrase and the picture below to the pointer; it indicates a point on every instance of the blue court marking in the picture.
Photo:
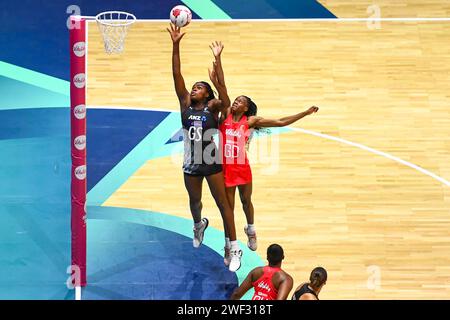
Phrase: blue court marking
(34, 78)
(22, 123)
(151, 147)
(137, 261)
(133, 160)
(28, 23)
(272, 9)
(214, 238)
(112, 134)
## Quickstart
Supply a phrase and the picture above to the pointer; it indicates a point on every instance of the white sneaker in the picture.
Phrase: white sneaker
(227, 256)
(251, 243)
(235, 262)
(199, 233)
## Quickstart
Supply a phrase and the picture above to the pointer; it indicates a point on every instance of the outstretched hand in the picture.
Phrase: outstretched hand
(216, 48)
(175, 33)
(312, 110)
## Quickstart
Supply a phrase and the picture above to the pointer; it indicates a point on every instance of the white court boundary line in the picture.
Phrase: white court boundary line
(405, 19)
(77, 293)
(130, 108)
(380, 153)
(317, 134)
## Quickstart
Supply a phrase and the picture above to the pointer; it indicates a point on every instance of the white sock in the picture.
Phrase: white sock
(227, 243)
(234, 245)
(198, 225)
(251, 228)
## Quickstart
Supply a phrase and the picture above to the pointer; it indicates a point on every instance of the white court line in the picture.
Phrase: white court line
(321, 135)
(130, 108)
(380, 153)
(405, 19)
(77, 293)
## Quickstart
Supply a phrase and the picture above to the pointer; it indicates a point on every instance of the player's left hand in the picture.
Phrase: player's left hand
(217, 48)
(175, 33)
(312, 110)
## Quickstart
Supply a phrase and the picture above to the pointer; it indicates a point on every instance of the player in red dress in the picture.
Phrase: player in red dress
(270, 282)
(236, 126)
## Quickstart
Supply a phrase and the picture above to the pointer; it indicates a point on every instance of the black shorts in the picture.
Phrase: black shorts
(202, 169)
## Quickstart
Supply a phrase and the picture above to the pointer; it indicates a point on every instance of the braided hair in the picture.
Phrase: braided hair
(252, 107)
(318, 277)
(252, 111)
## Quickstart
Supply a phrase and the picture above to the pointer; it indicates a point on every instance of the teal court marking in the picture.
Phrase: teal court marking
(37, 90)
(206, 9)
(35, 78)
(213, 237)
(140, 154)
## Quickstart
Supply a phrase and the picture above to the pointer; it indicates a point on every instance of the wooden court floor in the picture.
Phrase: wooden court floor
(327, 203)
(388, 8)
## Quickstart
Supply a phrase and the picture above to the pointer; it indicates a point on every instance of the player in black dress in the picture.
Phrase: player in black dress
(311, 290)
(200, 116)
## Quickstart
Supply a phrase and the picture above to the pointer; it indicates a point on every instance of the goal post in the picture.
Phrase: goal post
(113, 26)
(78, 147)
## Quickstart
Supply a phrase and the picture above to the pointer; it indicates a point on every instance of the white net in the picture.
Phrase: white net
(114, 27)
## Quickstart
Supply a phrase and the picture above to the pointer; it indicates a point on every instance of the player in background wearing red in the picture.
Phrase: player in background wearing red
(270, 282)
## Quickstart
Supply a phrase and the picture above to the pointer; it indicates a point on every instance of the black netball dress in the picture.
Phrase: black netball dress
(201, 155)
(304, 289)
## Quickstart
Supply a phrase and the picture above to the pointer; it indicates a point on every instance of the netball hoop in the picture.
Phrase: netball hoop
(114, 27)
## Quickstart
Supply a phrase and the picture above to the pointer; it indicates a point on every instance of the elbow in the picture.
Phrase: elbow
(215, 104)
(234, 296)
(281, 123)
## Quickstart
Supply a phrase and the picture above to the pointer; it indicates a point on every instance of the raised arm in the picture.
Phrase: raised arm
(217, 48)
(180, 87)
(260, 122)
(217, 105)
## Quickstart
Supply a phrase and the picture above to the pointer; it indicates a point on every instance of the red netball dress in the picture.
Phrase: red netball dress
(264, 289)
(234, 137)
